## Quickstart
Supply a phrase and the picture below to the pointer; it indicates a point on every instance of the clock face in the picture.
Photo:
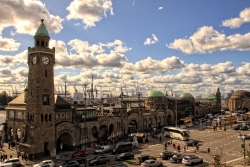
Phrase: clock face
(45, 60)
(34, 60)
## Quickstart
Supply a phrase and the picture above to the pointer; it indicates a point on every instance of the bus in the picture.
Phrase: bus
(230, 119)
(176, 133)
(122, 147)
(186, 122)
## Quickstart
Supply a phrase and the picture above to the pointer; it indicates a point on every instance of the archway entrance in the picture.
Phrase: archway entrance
(132, 126)
(170, 120)
(103, 132)
(111, 129)
(145, 124)
(150, 124)
(94, 132)
(67, 142)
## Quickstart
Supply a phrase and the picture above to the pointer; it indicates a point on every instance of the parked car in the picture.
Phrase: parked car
(236, 127)
(192, 142)
(142, 158)
(124, 156)
(176, 158)
(80, 160)
(80, 153)
(14, 161)
(45, 163)
(70, 164)
(191, 160)
(166, 155)
(99, 160)
(151, 163)
(102, 149)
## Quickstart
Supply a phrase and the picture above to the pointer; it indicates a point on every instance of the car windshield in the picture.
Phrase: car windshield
(122, 154)
(175, 156)
(186, 133)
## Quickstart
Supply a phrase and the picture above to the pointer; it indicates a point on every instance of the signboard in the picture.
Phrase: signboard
(53, 152)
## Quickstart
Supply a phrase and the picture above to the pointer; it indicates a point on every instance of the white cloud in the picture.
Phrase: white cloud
(89, 11)
(208, 40)
(12, 60)
(244, 17)
(150, 41)
(160, 8)
(25, 15)
(8, 44)
(244, 70)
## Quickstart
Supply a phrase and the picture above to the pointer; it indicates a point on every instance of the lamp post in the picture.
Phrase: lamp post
(175, 108)
(244, 104)
(154, 134)
(85, 124)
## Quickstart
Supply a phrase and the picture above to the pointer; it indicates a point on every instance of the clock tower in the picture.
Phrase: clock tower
(39, 97)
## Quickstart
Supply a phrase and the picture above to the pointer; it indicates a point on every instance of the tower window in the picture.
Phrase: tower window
(45, 99)
(49, 117)
(45, 73)
(37, 43)
(46, 44)
(42, 118)
(42, 43)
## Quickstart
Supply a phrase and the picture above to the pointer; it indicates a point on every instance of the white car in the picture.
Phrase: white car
(14, 161)
(191, 160)
(151, 163)
(45, 162)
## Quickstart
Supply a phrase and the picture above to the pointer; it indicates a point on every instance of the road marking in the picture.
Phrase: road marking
(235, 159)
(154, 145)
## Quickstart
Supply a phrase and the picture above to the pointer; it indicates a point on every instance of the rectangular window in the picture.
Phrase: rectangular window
(45, 99)
(11, 114)
(19, 115)
(63, 115)
(67, 115)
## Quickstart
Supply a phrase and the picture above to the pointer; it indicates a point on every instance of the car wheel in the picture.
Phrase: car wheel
(131, 157)
(81, 162)
(201, 161)
(99, 152)
(191, 163)
(120, 159)
(193, 144)
(161, 165)
(95, 164)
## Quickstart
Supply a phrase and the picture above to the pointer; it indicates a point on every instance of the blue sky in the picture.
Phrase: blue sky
(190, 46)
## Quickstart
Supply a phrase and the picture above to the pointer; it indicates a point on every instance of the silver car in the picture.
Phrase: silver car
(151, 163)
(191, 160)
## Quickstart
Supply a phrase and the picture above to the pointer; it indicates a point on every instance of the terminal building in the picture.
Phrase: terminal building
(41, 121)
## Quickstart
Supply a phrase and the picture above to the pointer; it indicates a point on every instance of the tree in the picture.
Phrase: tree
(217, 159)
(5, 98)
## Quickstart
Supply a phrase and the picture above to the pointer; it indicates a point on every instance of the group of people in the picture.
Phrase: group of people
(3, 157)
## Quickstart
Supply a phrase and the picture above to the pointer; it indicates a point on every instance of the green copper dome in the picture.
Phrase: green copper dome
(186, 95)
(42, 30)
(156, 94)
(212, 97)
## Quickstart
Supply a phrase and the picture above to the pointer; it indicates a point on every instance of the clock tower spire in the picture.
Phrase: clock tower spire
(40, 100)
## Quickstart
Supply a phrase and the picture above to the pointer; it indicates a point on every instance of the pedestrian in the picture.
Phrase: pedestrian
(184, 148)
(173, 145)
(10, 156)
(178, 148)
(166, 146)
(160, 138)
(197, 148)
(8, 145)
(22, 155)
(208, 150)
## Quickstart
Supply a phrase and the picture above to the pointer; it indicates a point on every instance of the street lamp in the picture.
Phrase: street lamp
(154, 134)
(85, 124)
(175, 108)
(244, 104)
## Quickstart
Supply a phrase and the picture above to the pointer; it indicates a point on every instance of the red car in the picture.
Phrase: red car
(80, 153)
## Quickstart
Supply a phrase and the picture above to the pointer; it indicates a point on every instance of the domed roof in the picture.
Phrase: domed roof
(186, 95)
(212, 97)
(42, 30)
(156, 94)
(241, 93)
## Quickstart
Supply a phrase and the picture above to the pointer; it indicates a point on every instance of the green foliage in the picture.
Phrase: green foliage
(5, 98)
(217, 159)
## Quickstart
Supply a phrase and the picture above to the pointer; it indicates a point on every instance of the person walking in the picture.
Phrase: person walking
(179, 148)
(197, 148)
(166, 146)
(208, 150)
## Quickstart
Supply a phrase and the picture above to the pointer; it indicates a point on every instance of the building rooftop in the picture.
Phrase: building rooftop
(42, 30)
(156, 94)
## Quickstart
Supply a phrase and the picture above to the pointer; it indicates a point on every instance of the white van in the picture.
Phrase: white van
(13, 161)
(6, 165)
(102, 149)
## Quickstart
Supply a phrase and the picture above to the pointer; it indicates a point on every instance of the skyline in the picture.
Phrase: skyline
(202, 48)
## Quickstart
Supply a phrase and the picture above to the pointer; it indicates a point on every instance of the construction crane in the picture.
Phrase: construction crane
(75, 89)
(96, 91)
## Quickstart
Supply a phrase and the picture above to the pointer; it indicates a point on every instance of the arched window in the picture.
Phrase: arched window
(42, 43)
(46, 117)
(37, 43)
(49, 117)
(46, 44)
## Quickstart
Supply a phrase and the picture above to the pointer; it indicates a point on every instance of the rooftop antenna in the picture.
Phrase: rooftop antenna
(65, 87)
